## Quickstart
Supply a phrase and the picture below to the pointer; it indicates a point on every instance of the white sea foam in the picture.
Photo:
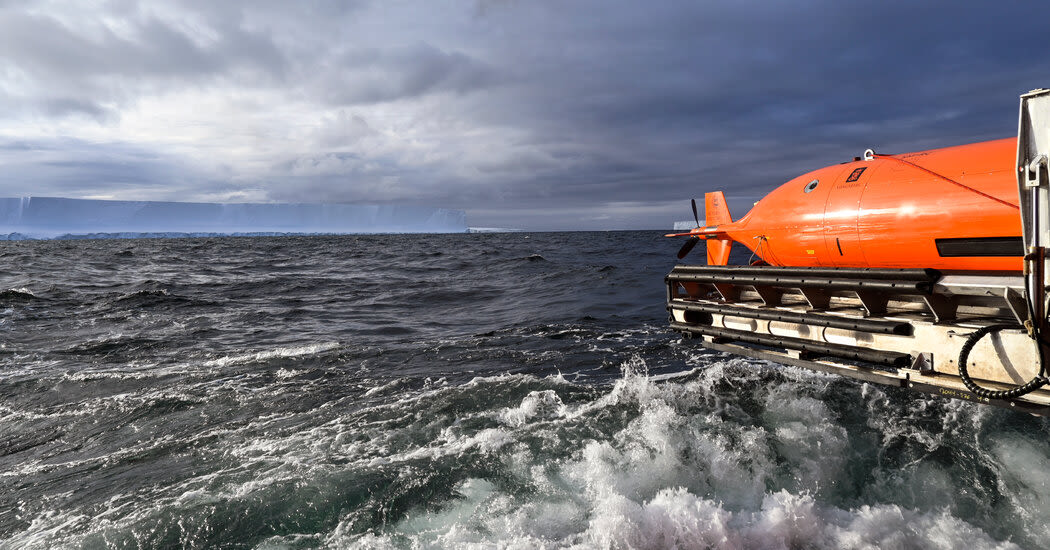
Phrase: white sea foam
(537, 405)
(676, 479)
(135, 370)
(1025, 472)
(666, 464)
(285, 374)
(286, 352)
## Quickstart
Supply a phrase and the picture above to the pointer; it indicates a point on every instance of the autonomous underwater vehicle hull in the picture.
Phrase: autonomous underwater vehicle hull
(924, 270)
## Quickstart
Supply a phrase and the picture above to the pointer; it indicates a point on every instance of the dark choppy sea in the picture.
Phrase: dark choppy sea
(454, 391)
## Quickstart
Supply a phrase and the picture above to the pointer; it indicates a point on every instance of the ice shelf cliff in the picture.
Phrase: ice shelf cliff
(50, 217)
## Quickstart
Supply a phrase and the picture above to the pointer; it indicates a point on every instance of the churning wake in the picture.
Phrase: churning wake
(727, 455)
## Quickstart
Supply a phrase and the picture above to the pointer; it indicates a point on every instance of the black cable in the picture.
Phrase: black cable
(1037, 334)
(1032, 385)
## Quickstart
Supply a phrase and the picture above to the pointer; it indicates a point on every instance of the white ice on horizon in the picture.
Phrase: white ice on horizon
(48, 217)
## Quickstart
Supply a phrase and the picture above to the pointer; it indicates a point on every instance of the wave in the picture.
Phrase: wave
(675, 475)
(530, 406)
(732, 454)
(278, 353)
(15, 295)
(158, 298)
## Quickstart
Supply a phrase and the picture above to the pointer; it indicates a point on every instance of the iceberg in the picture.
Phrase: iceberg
(54, 217)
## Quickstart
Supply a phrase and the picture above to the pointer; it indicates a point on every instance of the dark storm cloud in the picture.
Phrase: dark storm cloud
(69, 167)
(689, 101)
(569, 114)
(59, 106)
(371, 75)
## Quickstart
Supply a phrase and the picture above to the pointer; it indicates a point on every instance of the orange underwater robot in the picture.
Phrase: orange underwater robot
(953, 208)
(922, 270)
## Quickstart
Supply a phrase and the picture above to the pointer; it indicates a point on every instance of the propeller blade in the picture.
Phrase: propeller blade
(687, 247)
(695, 215)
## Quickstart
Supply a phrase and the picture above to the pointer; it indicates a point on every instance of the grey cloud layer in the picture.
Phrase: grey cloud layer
(577, 114)
(64, 65)
(371, 75)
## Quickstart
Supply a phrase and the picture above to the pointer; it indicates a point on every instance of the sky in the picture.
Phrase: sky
(528, 114)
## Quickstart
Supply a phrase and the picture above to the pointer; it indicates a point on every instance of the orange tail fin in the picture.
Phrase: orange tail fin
(717, 213)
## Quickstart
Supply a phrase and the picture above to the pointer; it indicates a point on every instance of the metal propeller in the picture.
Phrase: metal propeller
(688, 246)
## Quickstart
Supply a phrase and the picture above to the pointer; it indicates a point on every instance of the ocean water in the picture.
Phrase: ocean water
(455, 391)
